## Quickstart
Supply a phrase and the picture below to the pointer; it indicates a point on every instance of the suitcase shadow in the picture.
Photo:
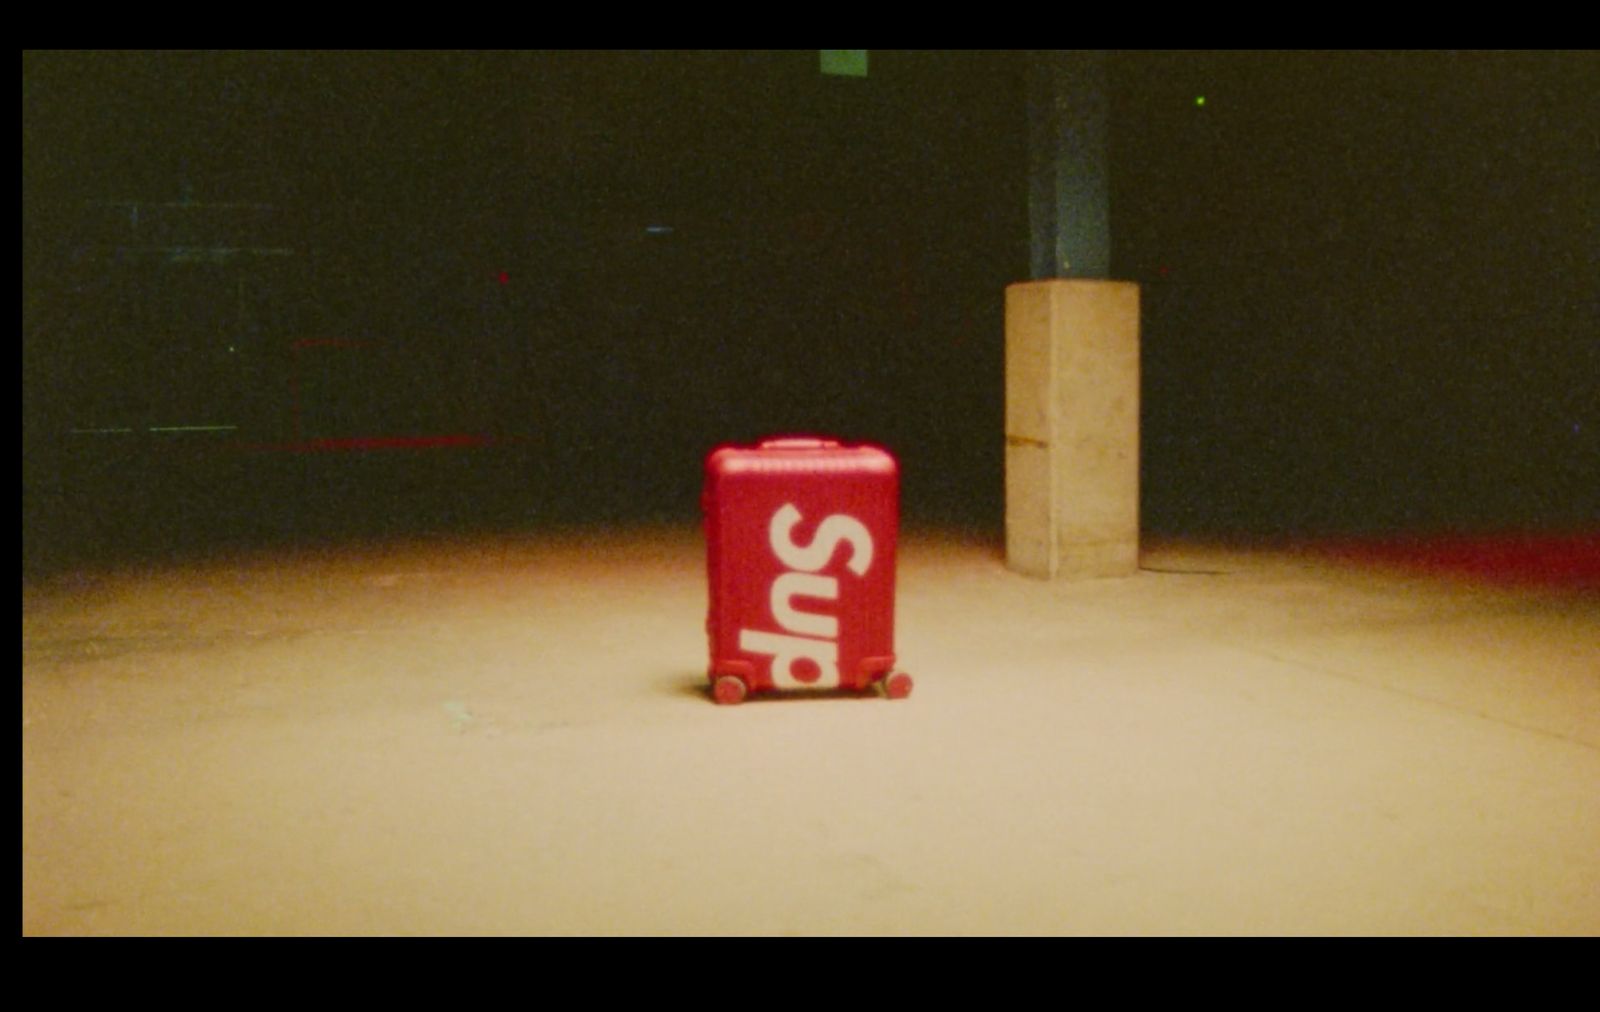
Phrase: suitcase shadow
(696, 685)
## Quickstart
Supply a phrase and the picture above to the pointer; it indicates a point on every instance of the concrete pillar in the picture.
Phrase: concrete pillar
(1072, 428)
(1069, 200)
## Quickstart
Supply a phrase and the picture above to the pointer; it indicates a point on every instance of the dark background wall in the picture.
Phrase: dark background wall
(1381, 308)
(1369, 285)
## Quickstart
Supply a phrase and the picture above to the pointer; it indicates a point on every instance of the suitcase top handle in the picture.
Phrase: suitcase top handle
(798, 443)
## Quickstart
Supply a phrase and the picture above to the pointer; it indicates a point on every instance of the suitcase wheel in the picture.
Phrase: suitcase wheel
(727, 690)
(897, 685)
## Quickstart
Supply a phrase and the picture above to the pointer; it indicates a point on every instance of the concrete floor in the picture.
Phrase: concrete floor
(511, 735)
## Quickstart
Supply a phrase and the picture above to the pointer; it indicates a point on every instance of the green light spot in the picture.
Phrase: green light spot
(1199, 100)
(844, 62)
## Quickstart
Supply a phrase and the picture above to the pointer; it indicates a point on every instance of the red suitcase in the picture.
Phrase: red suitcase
(800, 551)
